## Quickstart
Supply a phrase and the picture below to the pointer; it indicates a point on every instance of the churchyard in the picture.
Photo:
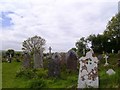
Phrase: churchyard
(83, 66)
(54, 75)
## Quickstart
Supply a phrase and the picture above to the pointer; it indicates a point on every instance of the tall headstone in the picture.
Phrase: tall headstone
(71, 59)
(88, 72)
(54, 66)
(26, 60)
(38, 59)
(9, 58)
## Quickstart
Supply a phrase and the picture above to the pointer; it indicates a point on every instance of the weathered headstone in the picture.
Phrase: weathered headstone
(99, 57)
(38, 59)
(71, 59)
(88, 72)
(54, 66)
(110, 72)
(26, 60)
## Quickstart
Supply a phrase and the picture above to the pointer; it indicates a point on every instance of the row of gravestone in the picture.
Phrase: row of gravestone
(54, 62)
(56, 59)
(88, 71)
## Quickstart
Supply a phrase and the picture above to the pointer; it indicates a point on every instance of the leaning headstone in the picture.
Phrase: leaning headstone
(71, 59)
(110, 72)
(26, 60)
(88, 72)
(54, 66)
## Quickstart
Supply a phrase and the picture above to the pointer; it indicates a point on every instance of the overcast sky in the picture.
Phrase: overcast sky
(60, 22)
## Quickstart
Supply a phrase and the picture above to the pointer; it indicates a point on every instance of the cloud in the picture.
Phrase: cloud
(60, 22)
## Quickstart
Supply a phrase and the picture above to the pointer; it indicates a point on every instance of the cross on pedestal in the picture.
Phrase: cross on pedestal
(106, 58)
(50, 51)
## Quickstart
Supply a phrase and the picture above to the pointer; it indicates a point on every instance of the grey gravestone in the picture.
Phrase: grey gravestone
(54, 65)
(26, 60)
(38, 60)
(88, 72)
(71, 59)
(99, 57)
(110, 72)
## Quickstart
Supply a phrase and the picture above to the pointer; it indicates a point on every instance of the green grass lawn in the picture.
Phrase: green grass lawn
(9, 79)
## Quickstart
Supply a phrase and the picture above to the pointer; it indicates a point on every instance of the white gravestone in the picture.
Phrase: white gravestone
(106, 58)
(88, 72)
(110, 72)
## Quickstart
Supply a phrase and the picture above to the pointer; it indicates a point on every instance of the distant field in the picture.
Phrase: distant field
(66, 81)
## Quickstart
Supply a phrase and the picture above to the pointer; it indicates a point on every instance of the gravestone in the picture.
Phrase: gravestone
(118, 62)
(54, 65)
(26, 60)
(99, 57)
(110, 72)
(88, 72)
(106, 58)
(38, 59)
(112, 51)
(71, 59)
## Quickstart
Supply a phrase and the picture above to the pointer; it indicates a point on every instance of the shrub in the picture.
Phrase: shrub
(37, 83)
(25, 73)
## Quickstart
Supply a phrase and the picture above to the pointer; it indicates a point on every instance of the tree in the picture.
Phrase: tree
(113, 32)
(10, 52)
(35, 45)
(81, 45)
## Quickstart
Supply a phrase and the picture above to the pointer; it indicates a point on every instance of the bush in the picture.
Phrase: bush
(37, 83)
(25, 73)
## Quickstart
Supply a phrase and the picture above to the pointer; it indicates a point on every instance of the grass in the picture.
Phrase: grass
(65, 81)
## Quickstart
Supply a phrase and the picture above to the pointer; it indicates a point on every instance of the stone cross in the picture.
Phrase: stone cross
(106, 58)
(50, 51)
(88, 72)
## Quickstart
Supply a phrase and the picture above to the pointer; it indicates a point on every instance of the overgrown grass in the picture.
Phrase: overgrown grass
(15, 77)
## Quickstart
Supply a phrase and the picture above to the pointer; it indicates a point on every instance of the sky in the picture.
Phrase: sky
(60, 22)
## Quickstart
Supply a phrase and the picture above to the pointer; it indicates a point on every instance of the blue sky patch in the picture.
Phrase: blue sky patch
(6, 20)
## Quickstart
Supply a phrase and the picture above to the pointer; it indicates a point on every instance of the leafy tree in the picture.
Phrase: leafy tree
(113, 32)
(80, 45)
(35, 45)
(10, 52)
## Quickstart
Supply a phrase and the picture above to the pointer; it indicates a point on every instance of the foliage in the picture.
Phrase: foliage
(80, 45)
(110, 39)
(31, 73)
(10, 51)
(33, 44)
(38, 77)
